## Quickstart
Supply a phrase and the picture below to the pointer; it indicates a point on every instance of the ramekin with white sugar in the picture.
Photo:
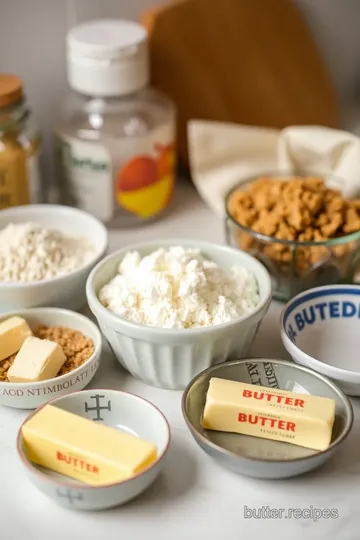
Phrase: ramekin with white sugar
(171, 357)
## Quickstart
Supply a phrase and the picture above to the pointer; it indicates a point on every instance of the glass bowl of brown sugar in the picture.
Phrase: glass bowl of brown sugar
(299, 226)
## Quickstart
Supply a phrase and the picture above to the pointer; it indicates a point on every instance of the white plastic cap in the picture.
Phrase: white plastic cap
(107, 58)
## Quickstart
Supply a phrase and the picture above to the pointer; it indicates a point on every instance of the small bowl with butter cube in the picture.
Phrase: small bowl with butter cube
(266, 418)
(45, 353)
(94, 449)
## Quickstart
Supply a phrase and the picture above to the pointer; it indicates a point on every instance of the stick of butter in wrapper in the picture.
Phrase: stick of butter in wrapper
(269, 413)
(82, 449)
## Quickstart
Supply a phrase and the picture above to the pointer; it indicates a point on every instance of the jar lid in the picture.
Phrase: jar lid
(107, 57)
(10, 89)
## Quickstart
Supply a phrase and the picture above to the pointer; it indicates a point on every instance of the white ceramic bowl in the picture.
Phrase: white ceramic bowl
(320, 328)
(32, 395)
(171, 358)
(119, 410)
(66, 291)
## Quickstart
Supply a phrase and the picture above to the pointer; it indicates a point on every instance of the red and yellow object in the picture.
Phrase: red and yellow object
(145, 184)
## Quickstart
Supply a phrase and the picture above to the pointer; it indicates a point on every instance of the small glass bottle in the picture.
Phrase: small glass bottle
(20, 145)
(115, 142)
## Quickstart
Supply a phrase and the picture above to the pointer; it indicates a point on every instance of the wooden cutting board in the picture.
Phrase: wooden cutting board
(245, 61)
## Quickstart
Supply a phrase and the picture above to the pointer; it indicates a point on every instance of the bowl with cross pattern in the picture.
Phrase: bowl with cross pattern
(122, 411)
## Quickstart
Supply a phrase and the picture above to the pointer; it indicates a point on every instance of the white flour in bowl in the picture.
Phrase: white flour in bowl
(178, 288)
(30, 252)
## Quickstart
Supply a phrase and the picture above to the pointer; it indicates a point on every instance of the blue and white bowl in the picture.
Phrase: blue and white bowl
(320, 328)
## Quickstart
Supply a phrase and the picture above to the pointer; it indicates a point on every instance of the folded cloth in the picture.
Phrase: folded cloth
(222, 155)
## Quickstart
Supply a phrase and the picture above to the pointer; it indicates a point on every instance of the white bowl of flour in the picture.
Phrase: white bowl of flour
(46, 254)
(172, 308)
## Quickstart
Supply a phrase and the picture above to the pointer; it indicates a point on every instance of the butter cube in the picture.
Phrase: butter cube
(13, 332)
(37, 360)
(269, 413)
(82, 449)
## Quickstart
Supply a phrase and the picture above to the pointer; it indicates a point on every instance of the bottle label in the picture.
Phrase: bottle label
(134, 175)
(144, 182)
(87, 175)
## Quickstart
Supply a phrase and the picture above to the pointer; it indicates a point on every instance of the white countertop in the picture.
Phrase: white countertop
(194, 498)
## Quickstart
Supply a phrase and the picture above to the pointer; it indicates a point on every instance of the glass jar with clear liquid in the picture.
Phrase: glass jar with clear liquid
(115, 139)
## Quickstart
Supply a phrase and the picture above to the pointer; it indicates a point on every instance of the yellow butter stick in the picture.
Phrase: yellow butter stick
(301, 419)
(82, 449)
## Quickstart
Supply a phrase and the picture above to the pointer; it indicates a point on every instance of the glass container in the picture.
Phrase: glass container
(20, 144)
(295, 266)
(115, 139)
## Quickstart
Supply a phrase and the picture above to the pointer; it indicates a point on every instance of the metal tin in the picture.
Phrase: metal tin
(252, 456)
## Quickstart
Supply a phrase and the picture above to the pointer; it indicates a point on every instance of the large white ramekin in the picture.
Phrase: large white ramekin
(171, 358)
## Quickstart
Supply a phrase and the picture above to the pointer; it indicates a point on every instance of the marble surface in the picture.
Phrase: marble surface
(194, 498)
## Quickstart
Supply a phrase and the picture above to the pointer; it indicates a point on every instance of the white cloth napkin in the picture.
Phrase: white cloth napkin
(222, 155)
